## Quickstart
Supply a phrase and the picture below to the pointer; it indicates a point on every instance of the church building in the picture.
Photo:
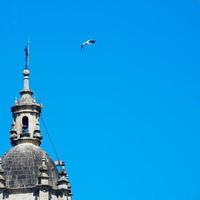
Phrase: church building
(27, 172)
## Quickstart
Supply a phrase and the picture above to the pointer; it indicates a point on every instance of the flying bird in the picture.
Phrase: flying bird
(88, 42)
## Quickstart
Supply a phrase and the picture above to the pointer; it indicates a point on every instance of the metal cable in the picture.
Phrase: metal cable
(49, 137)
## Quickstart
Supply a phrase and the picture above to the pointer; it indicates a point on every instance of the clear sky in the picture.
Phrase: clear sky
(124, 114)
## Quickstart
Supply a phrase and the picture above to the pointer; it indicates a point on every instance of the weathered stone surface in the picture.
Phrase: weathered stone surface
(21, 166)
(24, 196)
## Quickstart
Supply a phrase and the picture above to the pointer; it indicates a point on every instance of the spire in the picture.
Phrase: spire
(26, 71)
(26, 112)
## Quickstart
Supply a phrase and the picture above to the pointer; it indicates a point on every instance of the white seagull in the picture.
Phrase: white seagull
(88, 42)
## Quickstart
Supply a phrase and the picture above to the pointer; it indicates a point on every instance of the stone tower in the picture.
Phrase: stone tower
(26, 171)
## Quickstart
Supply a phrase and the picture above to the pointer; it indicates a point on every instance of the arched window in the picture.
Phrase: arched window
(25, 126)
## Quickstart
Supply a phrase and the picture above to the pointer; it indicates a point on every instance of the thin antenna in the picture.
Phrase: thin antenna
(27, 54)
(49, 137)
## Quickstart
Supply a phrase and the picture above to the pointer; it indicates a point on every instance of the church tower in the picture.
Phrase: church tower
(26, 170)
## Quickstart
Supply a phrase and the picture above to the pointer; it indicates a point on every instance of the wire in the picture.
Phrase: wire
(49, 137)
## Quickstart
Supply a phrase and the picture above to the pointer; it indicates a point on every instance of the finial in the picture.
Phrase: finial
(63, 171)
(44, 163)
(43, 168)
(26, 71)
(27, 55)
(44, 177)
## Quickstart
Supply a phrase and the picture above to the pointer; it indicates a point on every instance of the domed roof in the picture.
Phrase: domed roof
(21, 166)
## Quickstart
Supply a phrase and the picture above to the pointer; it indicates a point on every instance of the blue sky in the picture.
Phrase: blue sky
(124, 114)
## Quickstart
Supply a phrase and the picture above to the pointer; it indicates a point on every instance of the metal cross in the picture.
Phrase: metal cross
(27, 55)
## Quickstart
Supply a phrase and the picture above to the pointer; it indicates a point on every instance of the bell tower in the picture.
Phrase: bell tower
(26, 113)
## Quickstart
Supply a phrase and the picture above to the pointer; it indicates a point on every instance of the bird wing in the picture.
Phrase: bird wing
(92, 41)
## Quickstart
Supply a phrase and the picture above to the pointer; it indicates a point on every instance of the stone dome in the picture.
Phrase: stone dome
(21, 166)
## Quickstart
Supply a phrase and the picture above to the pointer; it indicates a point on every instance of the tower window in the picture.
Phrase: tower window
(25, 126)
